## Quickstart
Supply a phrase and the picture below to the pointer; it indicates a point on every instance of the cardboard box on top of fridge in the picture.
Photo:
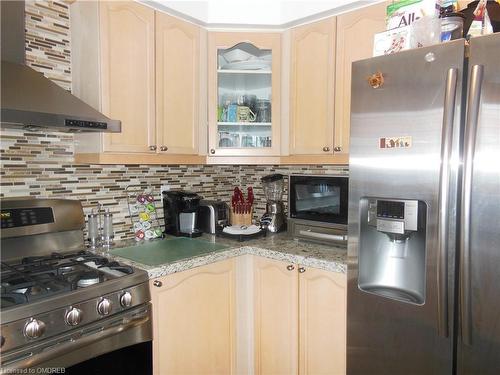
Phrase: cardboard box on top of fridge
(401, 13)
(391, 41)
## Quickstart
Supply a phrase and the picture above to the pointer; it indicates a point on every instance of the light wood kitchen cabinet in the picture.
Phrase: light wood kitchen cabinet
(128, 74)
(178, 92)
(355, 31)
(114, 71)
(194, 321)
(141, 67)
(300, 319)
(275, 317)
(244, 75)
(312, 85)
(322, 322)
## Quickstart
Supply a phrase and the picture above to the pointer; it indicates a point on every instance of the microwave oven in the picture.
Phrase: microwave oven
(317, 208)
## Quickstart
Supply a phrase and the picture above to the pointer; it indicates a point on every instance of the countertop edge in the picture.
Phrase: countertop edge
(186, 264)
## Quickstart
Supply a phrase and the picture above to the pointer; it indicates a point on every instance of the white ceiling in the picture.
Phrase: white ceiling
(241, 13)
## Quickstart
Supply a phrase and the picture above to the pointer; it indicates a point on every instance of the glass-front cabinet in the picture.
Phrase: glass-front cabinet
(244, 87)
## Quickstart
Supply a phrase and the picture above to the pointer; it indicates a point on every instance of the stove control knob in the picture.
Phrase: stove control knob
(34, 328)
(74, 316)
(126, 299)
(104, 306)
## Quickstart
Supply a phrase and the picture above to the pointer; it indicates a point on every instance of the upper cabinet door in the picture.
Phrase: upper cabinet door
(177, 84)
(312, 88)
(128, 74)
(244, 93)
(355, 31)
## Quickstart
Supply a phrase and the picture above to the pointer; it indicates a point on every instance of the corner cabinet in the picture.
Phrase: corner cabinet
(244, 94)
(141, 67)
(194, 321)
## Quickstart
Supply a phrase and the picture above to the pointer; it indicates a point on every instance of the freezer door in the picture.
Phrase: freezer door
(405, 134)
(479, 339)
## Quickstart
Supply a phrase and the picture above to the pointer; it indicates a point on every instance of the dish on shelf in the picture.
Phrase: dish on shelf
(236, 55)
(241, 52)
(254, 64)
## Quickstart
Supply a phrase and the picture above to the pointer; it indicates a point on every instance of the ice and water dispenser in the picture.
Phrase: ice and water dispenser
(392, 248)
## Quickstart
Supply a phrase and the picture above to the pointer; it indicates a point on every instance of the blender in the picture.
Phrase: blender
(274, 218)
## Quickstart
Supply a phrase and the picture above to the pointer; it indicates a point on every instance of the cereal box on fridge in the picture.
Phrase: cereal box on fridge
(401, 13)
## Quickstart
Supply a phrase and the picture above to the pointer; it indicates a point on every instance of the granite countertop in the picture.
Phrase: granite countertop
(274, 246)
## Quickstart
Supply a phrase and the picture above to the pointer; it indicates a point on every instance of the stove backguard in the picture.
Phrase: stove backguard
(37, 227)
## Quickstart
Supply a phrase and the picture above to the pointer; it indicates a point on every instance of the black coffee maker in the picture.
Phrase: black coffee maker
(181, 213)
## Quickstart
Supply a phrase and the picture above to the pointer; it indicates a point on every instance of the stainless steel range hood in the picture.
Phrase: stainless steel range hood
(28, 98)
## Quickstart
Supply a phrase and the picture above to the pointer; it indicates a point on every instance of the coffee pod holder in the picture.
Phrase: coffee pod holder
(143, 213)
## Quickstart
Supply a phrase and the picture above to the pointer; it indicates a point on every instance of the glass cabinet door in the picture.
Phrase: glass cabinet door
(244, 107)
(243, 114)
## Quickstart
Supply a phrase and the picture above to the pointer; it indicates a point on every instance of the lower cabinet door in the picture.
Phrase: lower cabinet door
(194, 321)
(322, 322)
(275, 317)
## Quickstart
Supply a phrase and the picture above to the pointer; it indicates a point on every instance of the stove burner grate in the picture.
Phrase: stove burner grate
(38, 277)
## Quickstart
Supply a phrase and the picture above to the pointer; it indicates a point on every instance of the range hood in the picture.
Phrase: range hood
(28, 98)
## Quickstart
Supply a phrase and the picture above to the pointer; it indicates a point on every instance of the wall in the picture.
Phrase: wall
(48, 48)
(42, 164)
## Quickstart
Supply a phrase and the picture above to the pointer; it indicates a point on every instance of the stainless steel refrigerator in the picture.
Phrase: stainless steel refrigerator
(424, 211)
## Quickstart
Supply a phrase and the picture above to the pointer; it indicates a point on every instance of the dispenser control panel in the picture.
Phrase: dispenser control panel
(393, 215)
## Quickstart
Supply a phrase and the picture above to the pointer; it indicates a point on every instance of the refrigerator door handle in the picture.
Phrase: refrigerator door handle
(473, 105)
(444, 187)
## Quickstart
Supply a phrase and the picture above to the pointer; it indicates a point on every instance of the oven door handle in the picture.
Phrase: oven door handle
(67, 347)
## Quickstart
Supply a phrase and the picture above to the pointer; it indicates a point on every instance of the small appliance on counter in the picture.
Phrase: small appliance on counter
(181, 209)
(213, 216)
(317, 208)
(274, 218)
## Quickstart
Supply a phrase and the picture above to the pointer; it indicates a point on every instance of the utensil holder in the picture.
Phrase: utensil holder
(241, 219)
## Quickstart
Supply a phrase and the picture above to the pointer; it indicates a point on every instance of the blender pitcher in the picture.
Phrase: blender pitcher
(274, 218)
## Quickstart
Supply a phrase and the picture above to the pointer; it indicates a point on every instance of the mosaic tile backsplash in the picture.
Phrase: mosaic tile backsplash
(48, 48)
(42, 164)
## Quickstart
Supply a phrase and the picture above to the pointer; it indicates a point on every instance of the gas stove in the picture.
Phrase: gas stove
(39, 277)
(58, 298)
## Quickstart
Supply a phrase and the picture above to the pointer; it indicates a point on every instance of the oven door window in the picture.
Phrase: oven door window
(132, 360)
(319, 198)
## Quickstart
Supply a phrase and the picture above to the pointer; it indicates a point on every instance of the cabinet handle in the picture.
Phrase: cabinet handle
(212, 151)
(152, 148)
(326, 148)
(302, 270)
(290, 267)
(157, 283)
(163, 148)
(337, 149)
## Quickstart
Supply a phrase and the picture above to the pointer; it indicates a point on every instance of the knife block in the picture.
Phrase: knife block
(241, 219)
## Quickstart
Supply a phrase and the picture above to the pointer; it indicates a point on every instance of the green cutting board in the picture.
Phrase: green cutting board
(167, 251)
